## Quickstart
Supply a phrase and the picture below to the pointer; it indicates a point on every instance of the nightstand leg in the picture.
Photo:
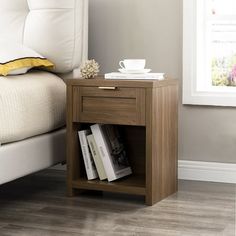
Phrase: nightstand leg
(71, 192)
(149, 201)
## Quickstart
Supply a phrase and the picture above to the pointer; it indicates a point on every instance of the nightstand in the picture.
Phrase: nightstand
(146, 112)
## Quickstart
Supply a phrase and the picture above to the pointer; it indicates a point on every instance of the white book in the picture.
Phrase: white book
(114, 168)
(87, 157)
(96, 157)
(151, 76)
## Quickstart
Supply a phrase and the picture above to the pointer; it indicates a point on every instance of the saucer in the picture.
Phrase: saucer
(143, 71)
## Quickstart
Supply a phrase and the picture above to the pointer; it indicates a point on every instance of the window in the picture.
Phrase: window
(209, 52)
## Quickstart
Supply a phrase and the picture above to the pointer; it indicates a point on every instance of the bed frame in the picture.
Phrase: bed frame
(68, 34)
(31, 155)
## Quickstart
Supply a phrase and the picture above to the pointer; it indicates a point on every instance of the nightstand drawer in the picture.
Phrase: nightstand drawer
(114, 105)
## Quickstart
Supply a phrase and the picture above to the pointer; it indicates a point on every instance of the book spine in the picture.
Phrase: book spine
(103, 151)
(97, 159)
(88, 161)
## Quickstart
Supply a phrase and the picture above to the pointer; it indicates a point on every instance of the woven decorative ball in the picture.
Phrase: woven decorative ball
(90, 69)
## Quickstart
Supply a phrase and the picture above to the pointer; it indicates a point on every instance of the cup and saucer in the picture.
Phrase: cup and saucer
(133, 66)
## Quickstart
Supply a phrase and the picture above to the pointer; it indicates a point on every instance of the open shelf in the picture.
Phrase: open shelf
(133, 184)
(134, 141)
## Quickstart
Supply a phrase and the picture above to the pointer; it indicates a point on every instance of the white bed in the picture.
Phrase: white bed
(32, 106)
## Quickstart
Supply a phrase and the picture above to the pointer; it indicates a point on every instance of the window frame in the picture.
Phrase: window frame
(215, 96)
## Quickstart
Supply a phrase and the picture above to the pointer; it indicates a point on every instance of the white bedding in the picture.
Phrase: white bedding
(30, 105)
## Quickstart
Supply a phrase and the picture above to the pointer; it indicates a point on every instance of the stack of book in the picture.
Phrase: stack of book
(104, 153)
(117, 75)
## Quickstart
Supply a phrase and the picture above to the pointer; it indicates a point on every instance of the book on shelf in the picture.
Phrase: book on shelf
(87, 156)
(118, 75)
(96, 157)
(111, 150)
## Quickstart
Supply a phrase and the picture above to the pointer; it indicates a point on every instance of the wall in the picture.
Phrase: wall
(152, 29)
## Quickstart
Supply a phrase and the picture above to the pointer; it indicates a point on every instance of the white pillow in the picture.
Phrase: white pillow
(17, 59)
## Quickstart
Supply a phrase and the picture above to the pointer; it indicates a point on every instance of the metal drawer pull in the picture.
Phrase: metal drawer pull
(108, 88)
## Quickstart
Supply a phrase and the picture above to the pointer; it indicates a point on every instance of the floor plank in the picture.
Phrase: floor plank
(37, 205)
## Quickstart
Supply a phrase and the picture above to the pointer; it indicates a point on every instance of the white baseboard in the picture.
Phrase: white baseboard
(198, 170)
(207, 171)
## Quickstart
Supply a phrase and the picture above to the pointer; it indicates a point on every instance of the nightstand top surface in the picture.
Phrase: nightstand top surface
(100, 81)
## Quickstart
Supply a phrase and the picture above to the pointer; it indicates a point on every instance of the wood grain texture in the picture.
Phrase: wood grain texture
(117, 92)
(119, 106)
(134, 184)
(100, 81)
(161, 142)
(37, 206)
(151, 108)
(72, 147)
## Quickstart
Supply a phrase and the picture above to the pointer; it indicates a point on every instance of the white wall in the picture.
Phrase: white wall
(152, 29)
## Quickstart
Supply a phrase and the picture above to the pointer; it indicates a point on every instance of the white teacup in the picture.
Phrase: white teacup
(133, 64)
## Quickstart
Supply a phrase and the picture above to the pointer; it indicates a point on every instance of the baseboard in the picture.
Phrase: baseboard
(201, 171)
(207, 171)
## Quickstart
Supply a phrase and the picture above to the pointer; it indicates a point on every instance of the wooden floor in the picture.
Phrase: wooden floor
(37, 205)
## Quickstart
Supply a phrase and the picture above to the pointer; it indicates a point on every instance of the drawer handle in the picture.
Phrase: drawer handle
(108, 88)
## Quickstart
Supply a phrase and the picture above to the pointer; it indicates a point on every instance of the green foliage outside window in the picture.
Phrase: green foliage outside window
(223, 71)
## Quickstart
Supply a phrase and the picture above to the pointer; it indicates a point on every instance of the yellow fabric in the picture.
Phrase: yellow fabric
(6, 68)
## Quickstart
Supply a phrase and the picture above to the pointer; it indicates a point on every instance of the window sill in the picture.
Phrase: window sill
(215, 97)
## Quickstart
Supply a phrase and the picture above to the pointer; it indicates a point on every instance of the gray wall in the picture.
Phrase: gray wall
(152, 29)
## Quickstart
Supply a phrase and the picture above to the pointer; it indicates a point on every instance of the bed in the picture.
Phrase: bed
(32, 106)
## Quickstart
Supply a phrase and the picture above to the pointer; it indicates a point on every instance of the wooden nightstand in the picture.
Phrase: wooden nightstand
(147, 114)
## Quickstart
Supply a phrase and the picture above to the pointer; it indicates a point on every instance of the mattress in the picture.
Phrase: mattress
(31, 104)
